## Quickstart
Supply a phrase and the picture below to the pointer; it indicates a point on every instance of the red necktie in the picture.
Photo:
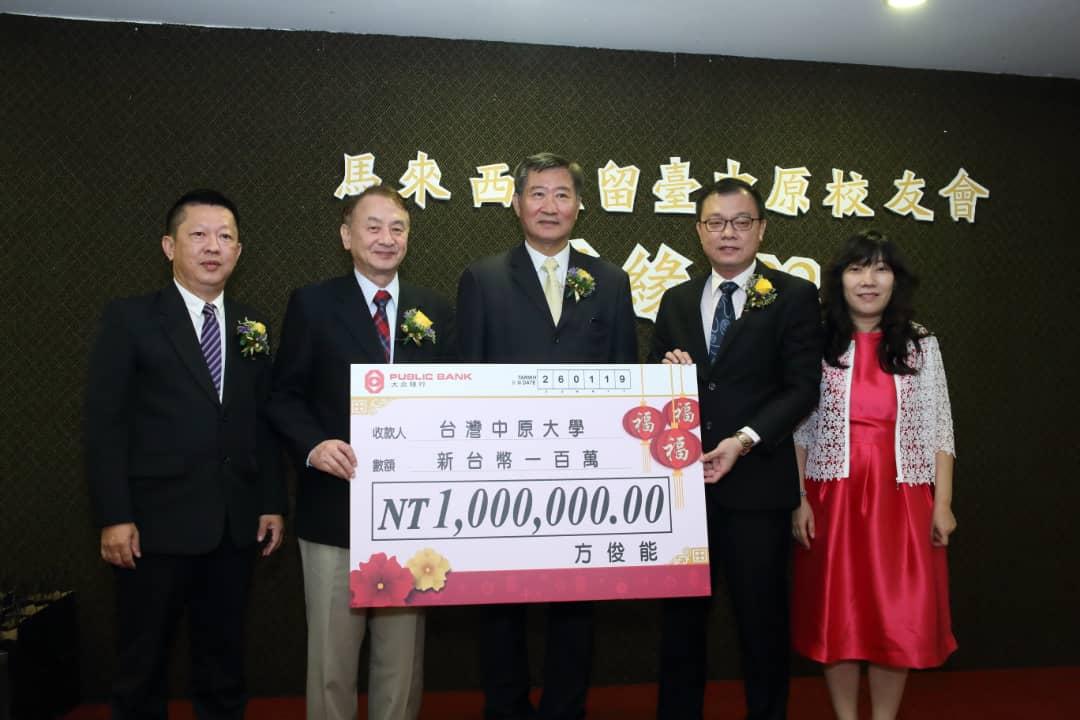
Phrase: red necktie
(382, 326)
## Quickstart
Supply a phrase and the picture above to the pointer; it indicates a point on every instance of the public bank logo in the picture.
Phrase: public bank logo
(374, 382)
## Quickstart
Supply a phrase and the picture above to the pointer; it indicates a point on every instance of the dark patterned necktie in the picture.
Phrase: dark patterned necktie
(382, 325)
(211, 344)
(722, 318)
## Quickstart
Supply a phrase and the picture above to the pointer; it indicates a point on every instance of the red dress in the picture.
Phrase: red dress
(872, 586)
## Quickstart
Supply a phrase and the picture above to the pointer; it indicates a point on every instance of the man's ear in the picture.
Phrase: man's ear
(168, 246)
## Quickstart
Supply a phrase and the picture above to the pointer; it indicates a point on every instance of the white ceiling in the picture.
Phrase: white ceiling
(1022, 37)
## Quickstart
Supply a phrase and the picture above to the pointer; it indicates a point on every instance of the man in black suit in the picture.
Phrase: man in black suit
(182, 466)
(517, 307)
(754, 334)
(355, 318)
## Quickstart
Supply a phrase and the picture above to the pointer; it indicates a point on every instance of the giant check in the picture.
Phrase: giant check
(523, 483)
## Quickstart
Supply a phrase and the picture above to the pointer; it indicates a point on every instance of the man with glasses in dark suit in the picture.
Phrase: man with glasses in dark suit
(754, 334)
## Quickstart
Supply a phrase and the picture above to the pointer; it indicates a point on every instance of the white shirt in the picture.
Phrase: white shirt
(195, 306)
(710, 296)
(369, 289)
(538, 258)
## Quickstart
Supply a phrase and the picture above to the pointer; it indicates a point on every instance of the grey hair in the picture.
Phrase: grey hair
(546, 161)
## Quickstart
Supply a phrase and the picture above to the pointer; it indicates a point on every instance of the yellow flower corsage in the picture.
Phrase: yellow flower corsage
(253, 338)
(417, 326)
(760, 292)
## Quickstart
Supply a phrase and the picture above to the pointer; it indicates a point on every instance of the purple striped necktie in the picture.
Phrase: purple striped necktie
(211, 344)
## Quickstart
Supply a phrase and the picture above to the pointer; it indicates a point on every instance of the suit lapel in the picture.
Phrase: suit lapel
(176, 323)
(354, 313)
(405, 350)
(234, 361)
(691, 316)
(571, 309)
(730, 335)
(523, 273)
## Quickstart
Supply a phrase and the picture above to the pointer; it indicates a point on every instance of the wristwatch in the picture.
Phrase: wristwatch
(745, 440)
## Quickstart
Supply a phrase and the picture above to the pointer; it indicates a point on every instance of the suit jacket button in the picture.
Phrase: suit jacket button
(226, 460)
(712, 386)
(556, 339)
(708, 424)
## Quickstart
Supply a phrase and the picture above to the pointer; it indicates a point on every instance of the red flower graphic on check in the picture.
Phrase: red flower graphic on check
(380, 582)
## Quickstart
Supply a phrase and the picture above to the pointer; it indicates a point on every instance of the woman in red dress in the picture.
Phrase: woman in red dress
(876, 458)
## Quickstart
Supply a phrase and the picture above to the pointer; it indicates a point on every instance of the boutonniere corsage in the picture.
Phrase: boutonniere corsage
(417, 326)
(579, 283)
(253, 339)
(760, 292)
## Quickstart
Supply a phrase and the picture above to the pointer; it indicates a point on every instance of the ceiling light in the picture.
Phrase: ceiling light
(904, 4)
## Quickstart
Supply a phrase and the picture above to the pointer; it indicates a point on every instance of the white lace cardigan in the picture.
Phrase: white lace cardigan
(923, 419)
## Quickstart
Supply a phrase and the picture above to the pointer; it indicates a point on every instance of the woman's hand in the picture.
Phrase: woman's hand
(942, 525)
(802, 523)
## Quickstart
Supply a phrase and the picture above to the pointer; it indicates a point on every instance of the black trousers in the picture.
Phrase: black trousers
(504, 661)
(213, 588)
(749, 551)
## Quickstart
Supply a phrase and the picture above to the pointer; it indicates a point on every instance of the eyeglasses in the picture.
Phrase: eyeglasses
(742, 223)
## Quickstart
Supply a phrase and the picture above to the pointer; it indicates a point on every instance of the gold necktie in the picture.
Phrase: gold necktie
(553, 288)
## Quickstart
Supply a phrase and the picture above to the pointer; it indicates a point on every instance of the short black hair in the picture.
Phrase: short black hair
(730, 186)
(546, 161)
(202, 196)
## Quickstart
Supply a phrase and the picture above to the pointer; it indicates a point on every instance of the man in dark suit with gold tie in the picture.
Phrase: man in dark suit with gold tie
(182, 465)
(530, 305)
(355, 318)
(754, 334)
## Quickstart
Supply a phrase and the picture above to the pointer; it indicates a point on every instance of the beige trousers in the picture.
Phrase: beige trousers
(335, 634)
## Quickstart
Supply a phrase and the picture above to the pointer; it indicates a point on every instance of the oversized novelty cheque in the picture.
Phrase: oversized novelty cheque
(522, 483)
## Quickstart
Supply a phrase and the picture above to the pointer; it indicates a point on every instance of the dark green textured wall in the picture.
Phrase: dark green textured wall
(104, 125)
